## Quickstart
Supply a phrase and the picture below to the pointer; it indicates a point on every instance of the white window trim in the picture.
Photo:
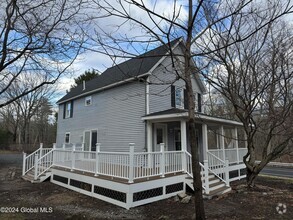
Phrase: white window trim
(182, 98)
(68, 138)
(86, 98)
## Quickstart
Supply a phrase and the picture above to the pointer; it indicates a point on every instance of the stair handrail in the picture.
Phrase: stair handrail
(215, 163)
(47, 161)
(29, 161)
(188, 164)
(189, 167)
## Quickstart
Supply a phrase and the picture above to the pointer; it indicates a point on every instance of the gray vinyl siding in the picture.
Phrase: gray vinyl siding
(116, 114)
(160, 85)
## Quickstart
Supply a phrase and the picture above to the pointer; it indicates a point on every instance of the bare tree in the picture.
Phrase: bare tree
(194, 21)
(29, 108)
(38, 36)
(256, 77)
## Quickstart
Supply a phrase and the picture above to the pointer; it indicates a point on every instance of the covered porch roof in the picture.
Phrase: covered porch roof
(179, 114)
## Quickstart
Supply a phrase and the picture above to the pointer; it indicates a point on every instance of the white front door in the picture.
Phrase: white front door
(160, 136)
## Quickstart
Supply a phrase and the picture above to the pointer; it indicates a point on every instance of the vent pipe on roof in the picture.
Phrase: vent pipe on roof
(83, 82)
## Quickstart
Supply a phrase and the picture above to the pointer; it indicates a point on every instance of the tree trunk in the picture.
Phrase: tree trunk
(250, 178)
(197, 183)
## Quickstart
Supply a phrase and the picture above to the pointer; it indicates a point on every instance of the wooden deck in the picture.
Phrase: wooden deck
(120, 180)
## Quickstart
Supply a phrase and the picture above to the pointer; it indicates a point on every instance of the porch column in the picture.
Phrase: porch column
(222, 142)
(183, 144)
(149, 142)
(235, 139)
(205, 143)
(183, 135)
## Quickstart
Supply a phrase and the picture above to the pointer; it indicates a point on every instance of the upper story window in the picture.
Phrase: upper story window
(88, 101)
(179, 98)
(68, 110)
(198, 102)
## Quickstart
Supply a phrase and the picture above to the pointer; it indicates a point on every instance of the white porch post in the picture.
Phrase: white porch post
(98, 148)
(227, 178)
(131, 162)
(205, 143)
(41, 150)
(149, 141)
(36, 166)
(183, 144)
(23, 162)
(54, 153)
(63, 153)
(222, 142)
(235, 139)
(72, 158)
(183, 135)
(162, 164)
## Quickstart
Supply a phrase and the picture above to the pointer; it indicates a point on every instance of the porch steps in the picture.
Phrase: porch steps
(216, 186)
(29, 176)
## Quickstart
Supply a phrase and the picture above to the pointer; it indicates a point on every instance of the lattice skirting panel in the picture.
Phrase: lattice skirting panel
(123, 195)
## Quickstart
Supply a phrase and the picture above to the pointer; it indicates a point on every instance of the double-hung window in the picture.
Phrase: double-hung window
(68, 109)
(179, 98)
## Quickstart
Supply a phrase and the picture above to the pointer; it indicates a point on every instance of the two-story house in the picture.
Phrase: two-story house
(131, 123)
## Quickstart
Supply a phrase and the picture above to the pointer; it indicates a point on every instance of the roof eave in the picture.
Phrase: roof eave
(104, 87)
(203, 118)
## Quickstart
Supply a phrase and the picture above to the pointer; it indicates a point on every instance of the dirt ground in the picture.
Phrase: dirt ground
(49, 201)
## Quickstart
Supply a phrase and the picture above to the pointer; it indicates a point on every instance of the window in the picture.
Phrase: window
(179, 98)
(88, 101)
(198, 102)
(67, 138)
(68, 110)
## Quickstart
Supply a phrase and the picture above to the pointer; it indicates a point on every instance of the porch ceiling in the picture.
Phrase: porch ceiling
(182, 114)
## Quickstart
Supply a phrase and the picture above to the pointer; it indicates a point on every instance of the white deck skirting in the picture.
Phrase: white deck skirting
(127, 195)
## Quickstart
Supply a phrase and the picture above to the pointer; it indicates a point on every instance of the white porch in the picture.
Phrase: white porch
(127, 179)
(215, 136)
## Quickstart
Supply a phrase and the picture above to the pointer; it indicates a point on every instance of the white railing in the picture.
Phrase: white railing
(188, 164)
(233, 155)
(218, 153)
(30, 160)
(218, 167)
(125, 165)
(203, 171)
(128, 165)
(43, 163)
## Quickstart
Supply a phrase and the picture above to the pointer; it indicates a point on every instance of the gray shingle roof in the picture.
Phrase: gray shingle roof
(134, 67)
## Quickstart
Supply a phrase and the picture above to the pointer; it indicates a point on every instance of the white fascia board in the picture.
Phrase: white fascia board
(204, 118)
(164, 57)
(105, 87)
